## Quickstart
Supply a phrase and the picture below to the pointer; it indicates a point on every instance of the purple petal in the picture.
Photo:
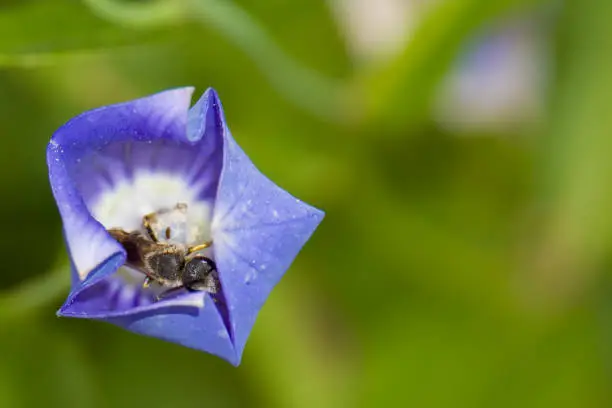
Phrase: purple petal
(183, 321)
(205, 127)
(73, 168)
(198, 328)
(258, 230)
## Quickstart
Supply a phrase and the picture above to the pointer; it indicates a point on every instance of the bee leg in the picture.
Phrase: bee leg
(146, 222)
(199, 273)
(168, 292)
(200, 247)
(147, 282)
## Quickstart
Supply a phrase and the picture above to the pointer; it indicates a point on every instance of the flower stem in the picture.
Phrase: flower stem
(149, 14)
(300, 85)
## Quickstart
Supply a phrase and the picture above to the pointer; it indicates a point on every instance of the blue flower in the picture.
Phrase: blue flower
(174, 177)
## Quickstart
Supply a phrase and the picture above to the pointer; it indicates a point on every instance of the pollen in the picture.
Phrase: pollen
(175, 226)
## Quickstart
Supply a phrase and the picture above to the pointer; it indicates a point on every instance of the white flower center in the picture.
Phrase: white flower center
(171, 207)
(129, 201)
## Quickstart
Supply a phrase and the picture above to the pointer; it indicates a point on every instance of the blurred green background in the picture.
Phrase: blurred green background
(460, 149)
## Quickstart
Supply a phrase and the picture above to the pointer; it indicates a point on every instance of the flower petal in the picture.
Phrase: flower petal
(205, 128)
(191, 320)
(258, 229)
(88, 242)
(198, 328)
(161, 116)
(78, 303)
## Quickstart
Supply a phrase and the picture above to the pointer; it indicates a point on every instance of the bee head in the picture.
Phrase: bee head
(199, 275)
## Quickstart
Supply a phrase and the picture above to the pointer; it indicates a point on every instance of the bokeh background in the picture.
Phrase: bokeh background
(460, 148)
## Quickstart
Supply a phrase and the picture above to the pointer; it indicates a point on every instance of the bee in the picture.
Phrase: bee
(173, 266)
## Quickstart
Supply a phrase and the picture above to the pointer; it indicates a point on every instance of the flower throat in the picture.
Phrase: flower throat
(164, 252)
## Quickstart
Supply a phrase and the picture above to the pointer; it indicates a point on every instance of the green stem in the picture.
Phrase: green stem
(575, 167)
(150, 14)
(300, 85)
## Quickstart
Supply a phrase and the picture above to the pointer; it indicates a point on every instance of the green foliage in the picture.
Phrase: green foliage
(453, 269)
(399, 93)
(34, 32)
